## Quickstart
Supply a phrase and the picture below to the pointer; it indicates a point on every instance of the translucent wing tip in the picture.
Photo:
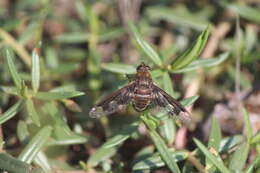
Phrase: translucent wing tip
(96, 112)
(185, 117)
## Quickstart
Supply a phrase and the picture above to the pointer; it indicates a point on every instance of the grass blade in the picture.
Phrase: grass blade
(11, 112)
(35, 145)
(191, 53)
(35, 70)
(219, 164)
(147, 49)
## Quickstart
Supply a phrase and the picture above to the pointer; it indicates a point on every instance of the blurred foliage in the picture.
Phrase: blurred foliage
(58, 58)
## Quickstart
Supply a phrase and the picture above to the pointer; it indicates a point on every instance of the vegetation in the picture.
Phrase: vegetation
(58, 58)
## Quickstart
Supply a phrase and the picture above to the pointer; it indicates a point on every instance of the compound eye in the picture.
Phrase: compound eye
(147, 67)
(139, 67)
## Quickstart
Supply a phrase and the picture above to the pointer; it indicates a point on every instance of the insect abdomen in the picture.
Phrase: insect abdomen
(142, 99)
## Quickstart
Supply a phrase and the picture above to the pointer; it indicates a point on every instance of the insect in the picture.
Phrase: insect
(142, 93)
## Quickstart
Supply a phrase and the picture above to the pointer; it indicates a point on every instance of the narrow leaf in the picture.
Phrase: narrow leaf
(164, 151)
(188, 101)
(256, 138)
(219, 164)
(57, 95)
(246, 12)
(32, 112)
(35, 145)
(35, 70)
(119, 68)
(250, 168)
(120, 137)
(42, 160)
(155, 160)
(239, 158)
(168, 129)
(100, 155)
(167, 83)
(247, 126)
(215, 135)
(147, 49)
(228, 143)
(9, 55)
(10, 164)
(178, 15)
(214, 141)
(11, 112)
(191, 53)
(209, 62)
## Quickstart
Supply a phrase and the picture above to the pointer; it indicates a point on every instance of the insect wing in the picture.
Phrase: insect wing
(113, 102)
(162, 99)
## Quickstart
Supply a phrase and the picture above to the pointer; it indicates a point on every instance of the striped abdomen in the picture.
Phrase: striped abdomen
(142, 98)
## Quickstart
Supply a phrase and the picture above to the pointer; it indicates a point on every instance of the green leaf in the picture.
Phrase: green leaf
(35, 71)
(32, 112)
(219, 164)
(120, 137)
(10, 164)
(119, 68)
(178, 15)
(42, 160)
(192, 53)
(76, 37)
(247, 126)
(188, 101)
(256, 138)
(228, 143)
(246, 12)
(215, 135)
(100, 155)
(167, 83)
(239, 158)
(164, 151)
(35, 145)
(9, 55)
(57, 95)
(214, 141)
(22, 131)
(209, 62)
(11, 112)
(64, 136)
(168, 129)
(147, 49)
(155, 160)
(250, 168)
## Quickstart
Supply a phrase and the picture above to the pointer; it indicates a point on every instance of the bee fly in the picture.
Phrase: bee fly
(142, 93)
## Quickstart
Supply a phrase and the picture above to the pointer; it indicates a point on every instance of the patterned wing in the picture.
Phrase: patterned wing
(112, 102)
(162, 99)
